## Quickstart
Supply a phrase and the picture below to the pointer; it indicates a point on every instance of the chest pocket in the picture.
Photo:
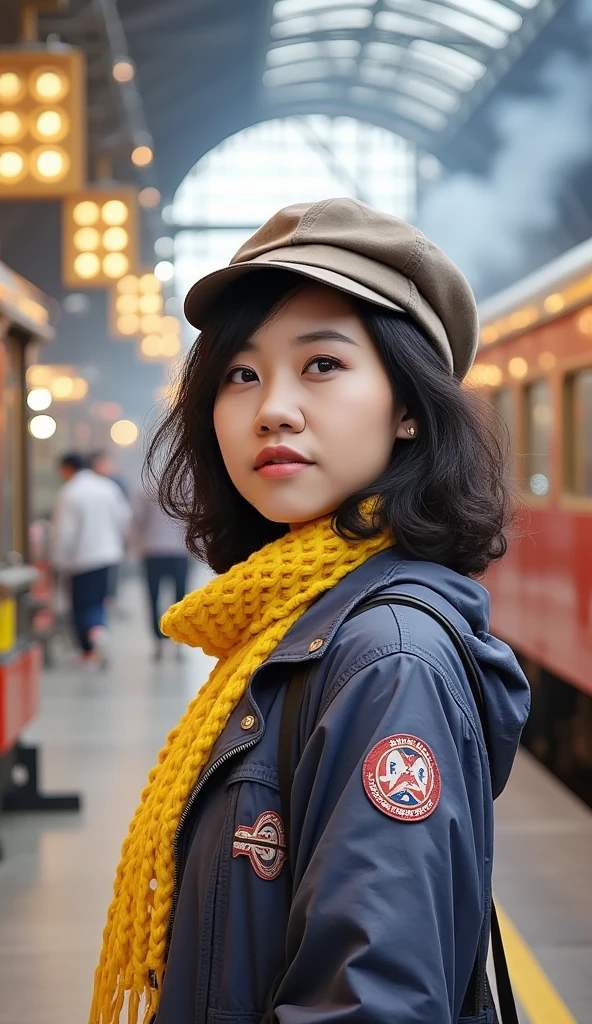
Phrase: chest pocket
(252, 898)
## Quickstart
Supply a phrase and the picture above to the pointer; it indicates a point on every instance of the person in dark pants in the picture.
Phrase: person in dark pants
(159, 542)
(90, 523)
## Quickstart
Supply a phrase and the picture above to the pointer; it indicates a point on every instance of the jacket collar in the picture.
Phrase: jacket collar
(322, 619)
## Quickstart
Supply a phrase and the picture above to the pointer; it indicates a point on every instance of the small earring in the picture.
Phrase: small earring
(411, 431)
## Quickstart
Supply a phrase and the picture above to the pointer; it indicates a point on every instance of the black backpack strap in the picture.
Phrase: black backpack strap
(288, 726)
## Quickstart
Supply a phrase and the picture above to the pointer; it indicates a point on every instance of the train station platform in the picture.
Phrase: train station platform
(100, 734)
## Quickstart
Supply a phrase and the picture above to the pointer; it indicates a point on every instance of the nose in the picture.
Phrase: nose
(279, 410)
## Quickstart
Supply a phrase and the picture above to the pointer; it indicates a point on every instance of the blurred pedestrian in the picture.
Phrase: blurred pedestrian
(90, 522)
(160, 543)
(102, 463)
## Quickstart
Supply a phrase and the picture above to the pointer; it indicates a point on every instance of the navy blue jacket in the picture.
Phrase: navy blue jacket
(385, 911)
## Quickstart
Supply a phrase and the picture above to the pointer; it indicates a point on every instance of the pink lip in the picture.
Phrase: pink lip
(280, 451)
(275, 470)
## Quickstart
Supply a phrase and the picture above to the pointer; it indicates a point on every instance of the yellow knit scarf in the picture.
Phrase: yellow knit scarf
(239, 618)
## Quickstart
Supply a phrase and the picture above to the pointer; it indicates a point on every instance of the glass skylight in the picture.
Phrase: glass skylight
(428, 53)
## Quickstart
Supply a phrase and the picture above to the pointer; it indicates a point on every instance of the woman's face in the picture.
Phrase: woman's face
(305, 415)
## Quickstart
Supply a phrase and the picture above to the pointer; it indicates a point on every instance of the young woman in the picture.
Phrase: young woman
(325, 856)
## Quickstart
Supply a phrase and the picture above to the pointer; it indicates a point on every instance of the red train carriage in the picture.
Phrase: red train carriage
(535, 365)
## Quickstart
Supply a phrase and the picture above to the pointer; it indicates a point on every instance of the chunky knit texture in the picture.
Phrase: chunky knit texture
(239, 618)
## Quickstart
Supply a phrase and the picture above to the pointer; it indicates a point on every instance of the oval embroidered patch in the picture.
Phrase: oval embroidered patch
(402, 778)
(264, 843)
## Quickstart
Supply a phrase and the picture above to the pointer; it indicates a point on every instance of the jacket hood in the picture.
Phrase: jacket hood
(505, 688)
(466, 603)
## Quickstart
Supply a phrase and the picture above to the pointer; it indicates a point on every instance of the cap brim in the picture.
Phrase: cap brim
(201, 296)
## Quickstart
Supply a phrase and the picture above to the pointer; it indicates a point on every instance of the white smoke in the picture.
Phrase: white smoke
(489, 225)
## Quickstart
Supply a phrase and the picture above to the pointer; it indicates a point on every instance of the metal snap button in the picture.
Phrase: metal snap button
(248, 722)
(315, 645)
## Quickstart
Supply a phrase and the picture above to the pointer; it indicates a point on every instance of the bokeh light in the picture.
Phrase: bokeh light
(42, 427)
(39, 399)
(124, 432)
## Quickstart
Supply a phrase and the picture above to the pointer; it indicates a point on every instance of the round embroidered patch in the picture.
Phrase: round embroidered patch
(402, 778)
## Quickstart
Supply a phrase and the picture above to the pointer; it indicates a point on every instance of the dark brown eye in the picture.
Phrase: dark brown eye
(324, 363)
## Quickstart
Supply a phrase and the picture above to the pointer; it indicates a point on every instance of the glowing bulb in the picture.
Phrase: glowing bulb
(115, 239)
(150, 345)
(124, 432)
(87, 265)
(149, 284)
(116, 264)
(114, 212)
(142, 156)
(42, 427)
(11, 164)
(86, 239)
(164, 271)
(51, 163)
(62, 387)
(128, 324)
(11, 86)
(128, 285)
(149, 198)
(170, 345)
(85, 213)
(518, 367)
(170, 325)
(50, 85)
(127, 304)
(10, 125)
(51, 124)
(150, 303)
(39, 398)
(150, 323)
(123, 70)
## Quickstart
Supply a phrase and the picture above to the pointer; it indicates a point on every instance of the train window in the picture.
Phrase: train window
(579, 433)
(502, 401)
(538, 416)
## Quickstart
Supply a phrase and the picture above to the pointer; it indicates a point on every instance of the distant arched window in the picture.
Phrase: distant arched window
(235, 188)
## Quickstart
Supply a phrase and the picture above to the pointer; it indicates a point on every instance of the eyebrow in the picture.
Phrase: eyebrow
(326, 334)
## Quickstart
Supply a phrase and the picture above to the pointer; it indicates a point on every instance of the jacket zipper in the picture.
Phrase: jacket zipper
(194, 794)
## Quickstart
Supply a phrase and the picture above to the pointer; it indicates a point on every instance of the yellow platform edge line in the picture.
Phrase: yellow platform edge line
(538, 996)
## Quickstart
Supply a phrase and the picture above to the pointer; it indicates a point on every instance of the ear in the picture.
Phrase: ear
(407, 428)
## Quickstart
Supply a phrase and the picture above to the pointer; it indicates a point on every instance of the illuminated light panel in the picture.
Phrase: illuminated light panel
(12, 126)
(86, 213)
(42, 427)
(87, 239)
(87, 265)
(124, 432)
(518, 367)
(547, 361)
(12, 86)
(516, 321)
(128, 324)
(142, 156)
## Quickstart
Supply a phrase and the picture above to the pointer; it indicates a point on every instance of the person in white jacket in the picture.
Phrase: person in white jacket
(91, 519)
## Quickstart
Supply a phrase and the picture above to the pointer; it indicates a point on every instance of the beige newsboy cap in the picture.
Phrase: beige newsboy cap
(361, 251)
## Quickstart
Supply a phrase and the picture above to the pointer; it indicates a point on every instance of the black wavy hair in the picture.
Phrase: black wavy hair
(444, 495)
